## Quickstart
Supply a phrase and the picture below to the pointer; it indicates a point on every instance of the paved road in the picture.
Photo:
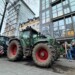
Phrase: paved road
(25, 68)
(66, 62)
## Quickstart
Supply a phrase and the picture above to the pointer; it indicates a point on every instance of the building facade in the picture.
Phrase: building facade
(57, 18)
(34, 23)
(18, 12)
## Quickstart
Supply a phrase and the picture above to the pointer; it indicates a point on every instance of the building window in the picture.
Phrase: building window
(54, 8)
(60, 13)
(69, 27)
(65, 2)
(73, 19)
(70, 33)
(62, 33)
(54, 15)
(59, 5)
(66, 10)
(73, 8)
(68, 20)
(45, 30)
(74, 22)
(53, 0)
(56, 34)
(43, 4)
(55, 24)
(54, 11)
(61, 24)
(43, 17)
(62, 28)
(59, 28)
(57, 10)
(47, 3)
(56, 29)
(72, 4)
(47, 16)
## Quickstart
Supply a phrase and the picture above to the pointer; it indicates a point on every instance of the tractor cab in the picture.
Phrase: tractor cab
(31, 36)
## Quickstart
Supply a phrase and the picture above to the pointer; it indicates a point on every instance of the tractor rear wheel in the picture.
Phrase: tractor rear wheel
(42, 55)
(14, 51)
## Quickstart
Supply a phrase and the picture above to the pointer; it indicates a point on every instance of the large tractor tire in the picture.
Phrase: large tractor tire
(42, 55)
(14, 51)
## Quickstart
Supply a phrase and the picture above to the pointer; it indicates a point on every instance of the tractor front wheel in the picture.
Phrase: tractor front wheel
(42, 55)
(14, 51)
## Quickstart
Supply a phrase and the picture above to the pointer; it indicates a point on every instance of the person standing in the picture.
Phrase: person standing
(68, 51)
(73, 48)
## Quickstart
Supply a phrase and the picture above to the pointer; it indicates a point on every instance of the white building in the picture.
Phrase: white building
(18, 13)
(34, 23)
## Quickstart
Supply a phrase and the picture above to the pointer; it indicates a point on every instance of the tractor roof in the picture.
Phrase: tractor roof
(34, 31)
(31, 29)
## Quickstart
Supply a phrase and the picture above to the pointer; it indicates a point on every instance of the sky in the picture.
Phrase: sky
(34, 5)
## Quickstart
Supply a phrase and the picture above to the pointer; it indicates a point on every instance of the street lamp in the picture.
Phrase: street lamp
(7, 1)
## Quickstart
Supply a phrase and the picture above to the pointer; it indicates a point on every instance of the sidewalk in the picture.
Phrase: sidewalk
(66, 63)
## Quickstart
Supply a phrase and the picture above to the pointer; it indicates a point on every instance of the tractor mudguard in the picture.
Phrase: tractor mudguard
(20, 40)
(39, 42)
(14, 39)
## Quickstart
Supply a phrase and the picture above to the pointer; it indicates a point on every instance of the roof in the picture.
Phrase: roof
(29, 20)
(33, 30)
(30, 29)
(15, 2)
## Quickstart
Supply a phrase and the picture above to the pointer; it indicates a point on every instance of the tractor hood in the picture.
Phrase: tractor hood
(47, 39)
(42, 40)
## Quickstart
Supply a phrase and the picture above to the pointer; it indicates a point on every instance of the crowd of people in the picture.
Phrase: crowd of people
(68, 50)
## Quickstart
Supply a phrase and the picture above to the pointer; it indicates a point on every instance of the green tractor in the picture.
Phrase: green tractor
(3, 45)
(43, 50)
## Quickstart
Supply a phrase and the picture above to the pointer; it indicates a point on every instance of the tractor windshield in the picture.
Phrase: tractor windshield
(26, 34)
(35, 35)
